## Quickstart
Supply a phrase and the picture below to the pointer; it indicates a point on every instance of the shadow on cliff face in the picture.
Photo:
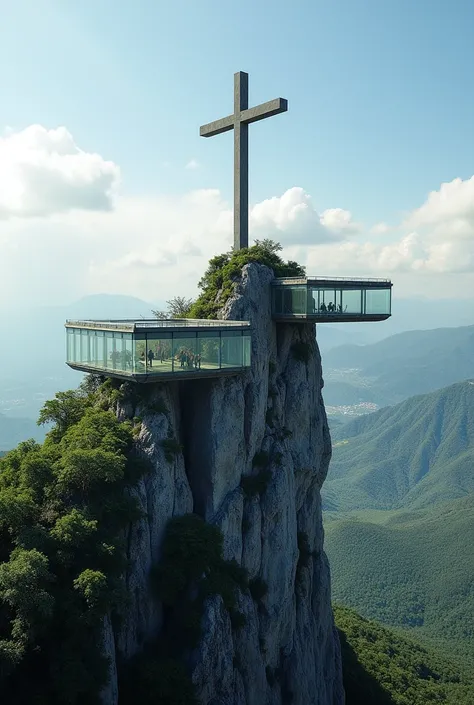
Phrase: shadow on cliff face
(360, 686)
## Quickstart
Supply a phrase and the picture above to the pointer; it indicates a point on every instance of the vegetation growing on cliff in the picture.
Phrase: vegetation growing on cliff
(192, 568)
(383, 668)
(62, 513)
(219, 280)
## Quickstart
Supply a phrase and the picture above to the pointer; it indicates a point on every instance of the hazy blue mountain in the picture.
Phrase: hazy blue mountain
(413, 362)
(414, 454)
(407, 315)
(14, 430)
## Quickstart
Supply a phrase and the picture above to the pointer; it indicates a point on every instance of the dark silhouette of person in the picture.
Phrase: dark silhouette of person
(151, 355)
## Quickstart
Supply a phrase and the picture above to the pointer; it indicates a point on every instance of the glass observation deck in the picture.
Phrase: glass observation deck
(331, 299)
(149, 350)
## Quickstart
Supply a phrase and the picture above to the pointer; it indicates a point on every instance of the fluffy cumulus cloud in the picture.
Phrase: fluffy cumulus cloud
(293, 219)
(44, 172)
(85, 239)
(453, 203)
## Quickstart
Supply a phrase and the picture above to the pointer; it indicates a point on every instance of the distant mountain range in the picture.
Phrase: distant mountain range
(414, 362)
(407, 315)
(412, 455)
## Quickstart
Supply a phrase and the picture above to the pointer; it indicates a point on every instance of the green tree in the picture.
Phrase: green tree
(63, 411)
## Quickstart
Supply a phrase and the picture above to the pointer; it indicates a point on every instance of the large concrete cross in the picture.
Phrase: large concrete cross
(239, 122)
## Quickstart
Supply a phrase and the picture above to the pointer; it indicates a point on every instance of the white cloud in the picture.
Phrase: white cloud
(155, 248)
(293, 219)
(43, 172)
(192, 164)
(453, 202)
(380, 229)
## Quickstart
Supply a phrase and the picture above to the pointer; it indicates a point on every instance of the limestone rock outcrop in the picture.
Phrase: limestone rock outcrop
(288, 650)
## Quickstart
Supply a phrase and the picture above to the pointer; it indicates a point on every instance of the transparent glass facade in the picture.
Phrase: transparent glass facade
(332, 301)
(158, 352)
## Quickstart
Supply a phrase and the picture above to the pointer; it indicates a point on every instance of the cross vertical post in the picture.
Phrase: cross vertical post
(239, 122)
(241, 162)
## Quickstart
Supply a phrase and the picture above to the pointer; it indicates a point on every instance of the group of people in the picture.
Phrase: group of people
(186, 358)
(189, 359)
(329, 308)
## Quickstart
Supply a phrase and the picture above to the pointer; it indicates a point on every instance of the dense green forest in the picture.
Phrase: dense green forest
(412, 455)
(409, 569)
(389, 371)
(383, 668)
(62, 513)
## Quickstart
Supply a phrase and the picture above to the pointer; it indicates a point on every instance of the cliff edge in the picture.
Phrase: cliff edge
(268, 424)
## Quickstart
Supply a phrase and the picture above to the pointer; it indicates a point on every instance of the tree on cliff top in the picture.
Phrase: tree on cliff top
(224, 270)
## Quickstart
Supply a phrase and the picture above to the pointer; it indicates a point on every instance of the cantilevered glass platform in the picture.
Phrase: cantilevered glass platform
(149, 350)
(331, 299)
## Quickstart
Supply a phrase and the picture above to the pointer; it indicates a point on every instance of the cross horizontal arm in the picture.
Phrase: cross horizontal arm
(216, 127)
(273, 107)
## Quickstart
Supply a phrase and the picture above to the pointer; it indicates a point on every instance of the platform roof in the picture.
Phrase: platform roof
(336, 282)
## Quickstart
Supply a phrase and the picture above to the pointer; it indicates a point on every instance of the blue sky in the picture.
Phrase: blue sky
(381, 99)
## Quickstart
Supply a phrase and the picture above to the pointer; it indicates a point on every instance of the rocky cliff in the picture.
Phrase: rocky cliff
(288, 650)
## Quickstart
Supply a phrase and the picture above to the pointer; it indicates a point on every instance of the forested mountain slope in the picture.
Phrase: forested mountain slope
(409, 569)
(383, 668)
(415, 454)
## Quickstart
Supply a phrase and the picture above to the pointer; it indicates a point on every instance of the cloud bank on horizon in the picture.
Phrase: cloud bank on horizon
(65, 231)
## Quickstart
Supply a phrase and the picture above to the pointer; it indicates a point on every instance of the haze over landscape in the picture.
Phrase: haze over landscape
(111, 205)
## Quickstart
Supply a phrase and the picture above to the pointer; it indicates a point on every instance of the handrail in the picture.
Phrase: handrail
(342, 279)
(144, 324)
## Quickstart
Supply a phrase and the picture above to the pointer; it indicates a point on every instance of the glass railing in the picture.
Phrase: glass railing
(160, 351)
(331, 302)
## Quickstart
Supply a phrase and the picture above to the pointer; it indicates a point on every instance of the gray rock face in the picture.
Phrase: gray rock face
(288, 650)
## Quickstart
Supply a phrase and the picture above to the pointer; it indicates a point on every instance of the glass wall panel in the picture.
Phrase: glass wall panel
(327, 301)
(184, 352)
(208, 350)
(377, 301)
(99, 354)
(117, 356)
(127, 355)
(231, 348)
(109, 350)
(77, 345)
(290, 300)
(352, 301)
(159, 353)
(294, 299)
(139, 355)
(247, 344)
(278, 299)
(70, 344)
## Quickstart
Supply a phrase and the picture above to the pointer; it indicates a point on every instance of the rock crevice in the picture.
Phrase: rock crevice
(269, 424)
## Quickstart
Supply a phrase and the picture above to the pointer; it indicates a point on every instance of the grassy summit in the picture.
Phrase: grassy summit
(223, 271)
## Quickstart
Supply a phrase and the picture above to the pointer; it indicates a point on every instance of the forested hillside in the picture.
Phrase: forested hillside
(383, 668)
(387, 372)
(409, 569)
(412, 455)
